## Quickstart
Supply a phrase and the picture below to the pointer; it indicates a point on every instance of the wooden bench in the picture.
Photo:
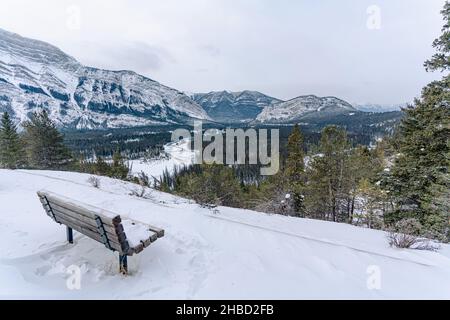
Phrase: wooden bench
(127, 237)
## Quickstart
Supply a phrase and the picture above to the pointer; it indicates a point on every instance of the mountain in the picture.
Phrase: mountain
(227, 106)
(305, 107)
(370, 107)
(35, 75)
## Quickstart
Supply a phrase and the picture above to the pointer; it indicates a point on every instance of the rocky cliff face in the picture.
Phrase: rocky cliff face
(225, 106)
(36, 75)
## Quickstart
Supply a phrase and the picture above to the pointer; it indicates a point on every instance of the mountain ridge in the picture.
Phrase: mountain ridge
(36, 75)
(306, 105)
(233, 106)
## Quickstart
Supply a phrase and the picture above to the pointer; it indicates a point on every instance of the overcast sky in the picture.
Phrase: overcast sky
(285, 48)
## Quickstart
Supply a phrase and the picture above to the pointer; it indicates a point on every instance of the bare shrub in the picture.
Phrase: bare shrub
(143, 179)
(142, 192)
(94, 181)
(407, 234)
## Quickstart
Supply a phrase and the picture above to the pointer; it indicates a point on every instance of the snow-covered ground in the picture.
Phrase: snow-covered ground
(179, 154)
(233, 253)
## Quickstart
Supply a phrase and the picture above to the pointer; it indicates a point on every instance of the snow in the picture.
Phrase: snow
(136, 232)
(232, 253)
(179, 154)
(301, 106)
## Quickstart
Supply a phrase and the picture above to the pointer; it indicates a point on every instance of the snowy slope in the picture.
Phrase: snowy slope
(304, 106)
(230, 254)
(35, 74)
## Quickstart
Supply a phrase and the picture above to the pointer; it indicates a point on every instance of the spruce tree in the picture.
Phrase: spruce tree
(12, 154)
(441, 59)
(420, 175)
(295, 169)
(44, 144)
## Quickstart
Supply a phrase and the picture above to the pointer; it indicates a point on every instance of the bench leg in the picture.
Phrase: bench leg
(123, 262)
(69, 235)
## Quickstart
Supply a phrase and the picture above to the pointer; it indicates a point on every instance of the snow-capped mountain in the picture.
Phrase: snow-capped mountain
(35, 74)
(370, 107)
(227, 106)
(304, 107)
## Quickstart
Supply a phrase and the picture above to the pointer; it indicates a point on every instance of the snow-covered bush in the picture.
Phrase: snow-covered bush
(407, 233)
(94, 181)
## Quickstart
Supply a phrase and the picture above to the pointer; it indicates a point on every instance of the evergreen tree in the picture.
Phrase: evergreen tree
(371, 205)
(420, 174)
(214, 185)
(441, 59)
(44, 144)
(101, 167)
(327, 189)
(119, 169)
(12, 153)
(295, 169)
(364, 165)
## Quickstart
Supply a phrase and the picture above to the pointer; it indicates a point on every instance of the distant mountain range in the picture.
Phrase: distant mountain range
(35, 75)
(370, 107)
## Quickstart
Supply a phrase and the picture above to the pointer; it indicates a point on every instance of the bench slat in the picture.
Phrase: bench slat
(158, 231)
(118, 237)
(112, 221)
(137, 249)
(110, 229)
(94, 235)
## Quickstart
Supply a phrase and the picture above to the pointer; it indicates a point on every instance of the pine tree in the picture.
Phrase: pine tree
(119, 169)
(45, 145)
(441, 59)
(327, 191)
(295, 169)
(101, 167)
(364, 165)
(371, 205)
(12, 153)
(421, 171)
(212, 185)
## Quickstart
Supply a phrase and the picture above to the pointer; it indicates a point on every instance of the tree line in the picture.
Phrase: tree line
(41, 146)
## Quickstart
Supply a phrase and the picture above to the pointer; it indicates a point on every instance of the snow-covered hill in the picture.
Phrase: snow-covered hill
(371, 107)
(35, 74)
(304, 106)
(225, 106)
(232, 253)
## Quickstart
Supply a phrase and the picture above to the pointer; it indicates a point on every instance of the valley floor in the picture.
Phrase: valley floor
(232, 253)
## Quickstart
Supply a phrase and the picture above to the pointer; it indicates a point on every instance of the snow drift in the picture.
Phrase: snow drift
(231, 253)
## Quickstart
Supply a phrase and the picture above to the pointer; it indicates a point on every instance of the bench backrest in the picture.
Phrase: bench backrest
(98, 224)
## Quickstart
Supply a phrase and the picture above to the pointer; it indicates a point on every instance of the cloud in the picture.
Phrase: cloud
(136, 56)
(210, 50)
(284, 48)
